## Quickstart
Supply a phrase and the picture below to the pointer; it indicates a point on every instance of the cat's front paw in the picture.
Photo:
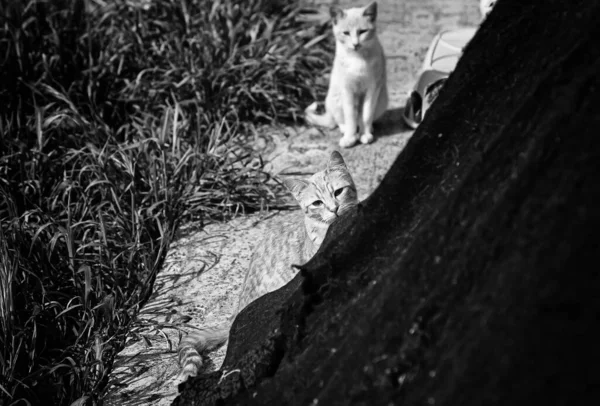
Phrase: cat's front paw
(312, 108)
(347, 142)
(366, 138)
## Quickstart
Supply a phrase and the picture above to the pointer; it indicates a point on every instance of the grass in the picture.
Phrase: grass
(120, 120)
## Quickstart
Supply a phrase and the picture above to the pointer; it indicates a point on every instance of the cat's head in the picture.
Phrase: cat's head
(354, 28)
(327, 194)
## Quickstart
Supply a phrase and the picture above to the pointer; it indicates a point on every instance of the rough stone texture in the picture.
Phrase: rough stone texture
(470, 274)
(205, 267)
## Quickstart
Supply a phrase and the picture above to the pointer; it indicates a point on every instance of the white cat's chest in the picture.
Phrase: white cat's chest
(354, 66)
(356, 72)
(350, 75)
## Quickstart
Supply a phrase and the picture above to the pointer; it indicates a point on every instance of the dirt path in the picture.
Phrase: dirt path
(204, 269)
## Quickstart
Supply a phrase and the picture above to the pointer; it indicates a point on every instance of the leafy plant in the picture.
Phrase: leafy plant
(120, 120)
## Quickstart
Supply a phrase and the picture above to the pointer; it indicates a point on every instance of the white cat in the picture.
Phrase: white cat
(357, 94)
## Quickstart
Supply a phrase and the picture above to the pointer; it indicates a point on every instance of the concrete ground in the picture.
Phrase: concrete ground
(205, 267)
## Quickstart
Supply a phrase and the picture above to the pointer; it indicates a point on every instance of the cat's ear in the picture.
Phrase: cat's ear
(336, 14)
(370, 11)
(295, 186)
(336, 160)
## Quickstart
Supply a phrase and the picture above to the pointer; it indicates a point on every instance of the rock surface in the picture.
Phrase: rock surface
(469, 275)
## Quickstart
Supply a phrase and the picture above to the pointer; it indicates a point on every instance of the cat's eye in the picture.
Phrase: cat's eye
(339, 191)
(317, 203)
(346, 33)
(361, 32)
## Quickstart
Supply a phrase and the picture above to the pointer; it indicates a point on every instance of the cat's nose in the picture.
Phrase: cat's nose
(356, 46)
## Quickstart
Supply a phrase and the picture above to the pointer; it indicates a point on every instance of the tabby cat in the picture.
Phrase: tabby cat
(325, 197)
(357, 94)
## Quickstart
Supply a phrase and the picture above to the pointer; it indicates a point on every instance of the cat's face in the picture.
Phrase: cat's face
(328, 194)
(354, 28)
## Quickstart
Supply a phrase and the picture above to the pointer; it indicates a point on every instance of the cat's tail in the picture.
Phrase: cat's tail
(322, 120)
(196, 342)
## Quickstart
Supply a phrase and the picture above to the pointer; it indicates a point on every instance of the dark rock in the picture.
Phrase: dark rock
(470, 275)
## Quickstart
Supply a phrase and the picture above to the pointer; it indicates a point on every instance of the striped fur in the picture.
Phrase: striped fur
(326, 196)
(196, 342)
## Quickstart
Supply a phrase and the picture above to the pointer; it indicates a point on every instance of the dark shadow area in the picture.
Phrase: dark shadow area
(469, 277)
(391, 123)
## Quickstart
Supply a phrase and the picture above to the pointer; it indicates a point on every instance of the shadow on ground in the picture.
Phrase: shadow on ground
(391, 123)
